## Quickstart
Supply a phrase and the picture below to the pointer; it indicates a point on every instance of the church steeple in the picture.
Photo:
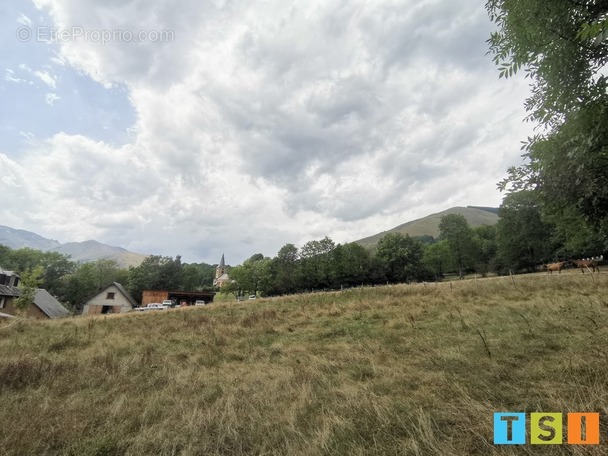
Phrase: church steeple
(221, 268)
(221, 276)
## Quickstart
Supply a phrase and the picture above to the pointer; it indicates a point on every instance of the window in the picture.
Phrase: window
(110, 295)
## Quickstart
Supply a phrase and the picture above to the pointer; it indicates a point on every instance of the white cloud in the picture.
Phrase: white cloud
(46, 77)
(24, 20)
(270, 122)
(51, 98)
(26, 135)
(9, 75)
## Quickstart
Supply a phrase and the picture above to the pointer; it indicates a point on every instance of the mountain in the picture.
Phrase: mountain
(86, 251)
(78, 251)
(429, 225)
(16, 239)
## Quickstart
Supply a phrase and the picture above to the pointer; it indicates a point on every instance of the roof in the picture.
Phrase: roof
(49, 305)
(223, 277)
(7, 290)
(192, 294)
(222, 263)
(121, 289)
(43, 300)
(125, 293)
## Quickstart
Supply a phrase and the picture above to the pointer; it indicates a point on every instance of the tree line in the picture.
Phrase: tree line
(521, 241)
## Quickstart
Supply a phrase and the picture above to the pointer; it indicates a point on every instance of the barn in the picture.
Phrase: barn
(113, 299)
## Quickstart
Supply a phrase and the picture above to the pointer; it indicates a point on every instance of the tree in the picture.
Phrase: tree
(401, 257)
(54, 265)
(197, 277)
(254, 275)
(426, 239)
(562, 46)
(351, 265)
(5, 253)
(576, 238)
(484, 237)
(455, 229)
(316, 263)
(232, 287)
(436, 258)
(555, 44)
(524, 239)
(30, 281)
(569, 168)
(286, 270)
(155, 273)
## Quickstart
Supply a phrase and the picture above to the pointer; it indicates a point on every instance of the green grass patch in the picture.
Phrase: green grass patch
(409, 369)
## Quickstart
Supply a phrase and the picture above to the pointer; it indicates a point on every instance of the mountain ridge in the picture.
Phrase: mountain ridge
(429, 225)
(81, 252)
(16, 238)
(92, 250)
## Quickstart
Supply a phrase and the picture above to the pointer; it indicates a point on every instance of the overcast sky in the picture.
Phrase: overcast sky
(236, 126)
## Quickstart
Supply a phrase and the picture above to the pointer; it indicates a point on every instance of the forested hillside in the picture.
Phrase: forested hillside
(429, 225)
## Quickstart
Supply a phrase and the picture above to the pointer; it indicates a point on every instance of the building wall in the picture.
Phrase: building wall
(222, 281)
(97, 309)
(32, 311)
(120, 303)
(153, 296)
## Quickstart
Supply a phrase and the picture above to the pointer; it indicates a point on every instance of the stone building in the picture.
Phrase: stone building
(221, 274)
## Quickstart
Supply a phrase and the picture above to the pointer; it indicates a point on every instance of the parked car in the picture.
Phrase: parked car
(252, 297)
(168, 303)
(200, 302)
(157, 306)
(152, 306)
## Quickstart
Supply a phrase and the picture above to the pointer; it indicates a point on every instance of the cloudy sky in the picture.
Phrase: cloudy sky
(196, 128)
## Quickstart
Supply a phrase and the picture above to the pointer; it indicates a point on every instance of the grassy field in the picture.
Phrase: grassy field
(408, 370)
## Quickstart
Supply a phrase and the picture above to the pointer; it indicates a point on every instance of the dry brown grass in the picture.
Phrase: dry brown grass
(415, 369)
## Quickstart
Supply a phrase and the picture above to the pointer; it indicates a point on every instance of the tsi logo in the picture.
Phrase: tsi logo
(546, 428)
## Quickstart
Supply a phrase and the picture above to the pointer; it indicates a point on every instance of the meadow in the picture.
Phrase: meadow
(393, 370)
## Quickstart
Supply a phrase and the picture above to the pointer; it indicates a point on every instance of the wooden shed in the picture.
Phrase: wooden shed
(178, 297)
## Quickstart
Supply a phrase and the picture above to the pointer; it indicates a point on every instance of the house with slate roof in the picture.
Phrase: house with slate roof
(44, 306)
(113, 299)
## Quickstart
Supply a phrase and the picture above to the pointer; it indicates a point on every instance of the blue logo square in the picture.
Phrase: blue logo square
(509, 428)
